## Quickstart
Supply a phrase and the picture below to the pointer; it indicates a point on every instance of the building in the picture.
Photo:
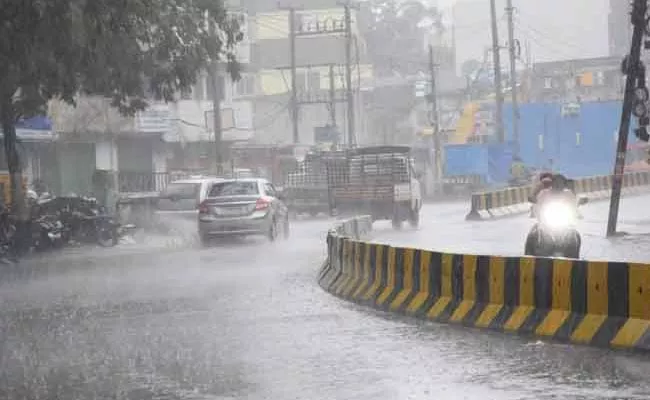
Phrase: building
(591, 79)
(320, 60)
(619, 28)
(141, 151)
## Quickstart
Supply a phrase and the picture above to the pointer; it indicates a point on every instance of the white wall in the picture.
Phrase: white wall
(106, 155)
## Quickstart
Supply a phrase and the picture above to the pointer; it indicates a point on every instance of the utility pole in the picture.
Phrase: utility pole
(639, 11)
(216, 111)
(332, 98)
(513, 75)
(437, 171)
(294, 89)
(497, 74)
(348, 74)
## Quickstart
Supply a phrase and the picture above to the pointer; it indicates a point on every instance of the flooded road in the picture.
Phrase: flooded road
(246, 320)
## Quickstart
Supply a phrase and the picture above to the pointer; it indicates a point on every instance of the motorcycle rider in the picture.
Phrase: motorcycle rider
(554, 187)
(545, 182)
(519, 173)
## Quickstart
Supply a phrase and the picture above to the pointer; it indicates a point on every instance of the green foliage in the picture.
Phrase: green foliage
(470, 67)
(125, 50)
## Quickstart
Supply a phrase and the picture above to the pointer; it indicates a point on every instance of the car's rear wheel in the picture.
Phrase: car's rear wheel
(286, 228)
(273, 232)
(205, 240)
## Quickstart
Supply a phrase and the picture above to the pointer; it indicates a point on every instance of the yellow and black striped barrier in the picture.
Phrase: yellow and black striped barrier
(511, 200)
(595, 303)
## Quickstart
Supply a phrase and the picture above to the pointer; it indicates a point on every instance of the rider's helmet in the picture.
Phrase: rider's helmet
(559, 182)
(545, 175)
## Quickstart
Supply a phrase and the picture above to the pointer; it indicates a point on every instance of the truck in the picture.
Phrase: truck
(306, 189)
(379, 181)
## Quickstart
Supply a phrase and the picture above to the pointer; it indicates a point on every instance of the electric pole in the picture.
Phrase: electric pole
(639, 11)
(332, 99)
(348, 74)
(437, 171)
(497, 74)
(216, 111)
(513, 75)
(294, 90)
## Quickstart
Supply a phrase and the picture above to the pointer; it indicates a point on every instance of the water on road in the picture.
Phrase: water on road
(246, 320)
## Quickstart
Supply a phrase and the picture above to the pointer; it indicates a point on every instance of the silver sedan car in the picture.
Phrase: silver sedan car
(243, 207)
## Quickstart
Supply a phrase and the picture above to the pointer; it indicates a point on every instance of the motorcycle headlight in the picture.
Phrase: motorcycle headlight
(557, 215)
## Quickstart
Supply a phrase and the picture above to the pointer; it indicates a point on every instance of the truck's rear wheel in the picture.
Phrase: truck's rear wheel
(414, 217)
(397, 218)
(397, 222)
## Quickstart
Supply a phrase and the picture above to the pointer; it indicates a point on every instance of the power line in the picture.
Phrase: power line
(542, 36)
(535, 38)
(270, 117)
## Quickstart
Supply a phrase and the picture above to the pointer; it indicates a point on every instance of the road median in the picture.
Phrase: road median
(602, 304)
(514, 200)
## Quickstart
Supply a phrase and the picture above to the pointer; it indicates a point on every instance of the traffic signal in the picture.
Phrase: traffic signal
(642, 133)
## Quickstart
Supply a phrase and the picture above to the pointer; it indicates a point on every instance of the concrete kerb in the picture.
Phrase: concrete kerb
(513, 201)
(594, 303)
(354, 228)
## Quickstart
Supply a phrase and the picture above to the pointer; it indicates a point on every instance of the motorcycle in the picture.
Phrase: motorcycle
(89, 222)
(555, 235)
(47, 232)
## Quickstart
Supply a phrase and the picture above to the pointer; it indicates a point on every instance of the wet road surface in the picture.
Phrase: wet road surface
(245, 320)
(446, 230)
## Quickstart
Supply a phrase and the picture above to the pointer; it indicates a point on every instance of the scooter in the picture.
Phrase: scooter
(555, 234)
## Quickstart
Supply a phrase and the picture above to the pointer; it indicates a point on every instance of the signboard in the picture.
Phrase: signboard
(35, 128)
(155, 119)
(422, 88)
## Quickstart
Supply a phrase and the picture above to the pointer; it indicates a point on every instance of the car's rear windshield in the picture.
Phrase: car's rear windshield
(182, 190)
(234, 188)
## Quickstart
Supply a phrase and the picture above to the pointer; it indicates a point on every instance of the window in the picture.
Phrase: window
(313, 80)
(234, 188)
(244, 86)
(270, 190)
(300, 82)
(548, 83)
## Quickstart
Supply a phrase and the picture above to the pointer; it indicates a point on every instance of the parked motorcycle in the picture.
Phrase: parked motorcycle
(47, 232)
(555, 234)
(89, 222)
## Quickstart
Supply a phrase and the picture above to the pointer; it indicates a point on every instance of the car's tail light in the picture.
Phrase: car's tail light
(203, 208)
(262, 204)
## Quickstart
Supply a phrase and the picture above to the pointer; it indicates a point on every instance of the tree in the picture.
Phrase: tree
(470, 67)
(396, 34)
(125, 50)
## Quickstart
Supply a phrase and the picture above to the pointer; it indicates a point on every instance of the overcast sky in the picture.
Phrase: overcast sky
(555, 29)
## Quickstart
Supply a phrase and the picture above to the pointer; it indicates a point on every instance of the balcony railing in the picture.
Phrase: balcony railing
(137, 182)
